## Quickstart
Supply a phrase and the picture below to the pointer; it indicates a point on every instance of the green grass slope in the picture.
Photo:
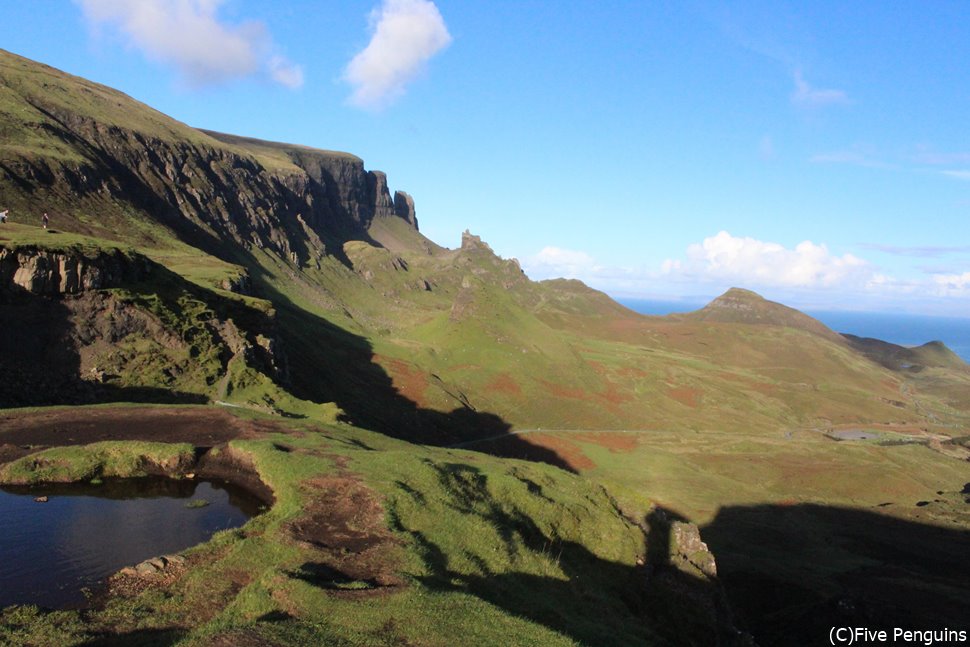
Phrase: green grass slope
(373, 541)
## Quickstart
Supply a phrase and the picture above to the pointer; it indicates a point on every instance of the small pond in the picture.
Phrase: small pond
(50, 552)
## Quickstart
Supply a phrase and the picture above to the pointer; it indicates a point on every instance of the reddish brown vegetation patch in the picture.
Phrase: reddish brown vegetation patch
(614, 441)
(409, 381)
(571, 453)
(631, 372)
(624, 328)
(504, 384)
(685, 395)
(613, 394)
(561, 391)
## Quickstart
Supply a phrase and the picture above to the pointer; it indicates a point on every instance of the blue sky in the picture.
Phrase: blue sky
(817, 152)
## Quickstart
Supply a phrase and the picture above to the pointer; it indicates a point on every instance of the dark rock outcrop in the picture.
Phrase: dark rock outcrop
(51, 273)
(404, 208)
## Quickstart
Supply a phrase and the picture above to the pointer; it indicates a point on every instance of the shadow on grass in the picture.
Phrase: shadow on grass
(143, 637)
(40, 363)
(793, 572)
(330, 364)
(594, 601)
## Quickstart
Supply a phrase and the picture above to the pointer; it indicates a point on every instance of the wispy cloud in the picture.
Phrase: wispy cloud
(190, 35)
(855, 158)
(406, 34)
(766, 148)
(929, 156)
(857, 155)
(953, 284)
(927, 251)
(807, 96)
(961, 174)
(556, 262)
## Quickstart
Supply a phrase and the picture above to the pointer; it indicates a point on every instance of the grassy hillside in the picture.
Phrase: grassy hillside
(373, 541)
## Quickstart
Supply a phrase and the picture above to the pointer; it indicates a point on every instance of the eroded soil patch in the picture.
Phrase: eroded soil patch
(201, 426)
(354, 552)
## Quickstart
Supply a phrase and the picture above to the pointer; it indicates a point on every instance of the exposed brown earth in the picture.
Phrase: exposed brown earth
(344, 523)
(201, 426)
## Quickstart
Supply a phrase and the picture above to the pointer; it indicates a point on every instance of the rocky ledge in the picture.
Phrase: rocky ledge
(52, 273)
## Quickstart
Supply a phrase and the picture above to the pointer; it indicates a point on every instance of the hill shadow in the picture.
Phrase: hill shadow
(793, 572)
(330, 364)
(40, 364)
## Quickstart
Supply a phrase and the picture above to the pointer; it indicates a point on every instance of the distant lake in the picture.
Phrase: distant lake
(902, 329)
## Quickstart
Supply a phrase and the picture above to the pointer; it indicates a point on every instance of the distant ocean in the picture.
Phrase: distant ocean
(902, 329)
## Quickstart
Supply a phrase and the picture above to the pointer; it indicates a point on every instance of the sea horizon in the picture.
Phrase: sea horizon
(898, 328)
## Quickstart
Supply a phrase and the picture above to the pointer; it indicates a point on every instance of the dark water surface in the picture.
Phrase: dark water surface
(50, 551)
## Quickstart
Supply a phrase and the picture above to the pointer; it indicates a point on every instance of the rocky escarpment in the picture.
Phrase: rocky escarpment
(404, 208)
(69, 339)
(209, 194)
(50, 273)
(102, 163)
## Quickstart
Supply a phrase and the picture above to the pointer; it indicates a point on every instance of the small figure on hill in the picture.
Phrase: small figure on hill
(3, 216)
(46, 220)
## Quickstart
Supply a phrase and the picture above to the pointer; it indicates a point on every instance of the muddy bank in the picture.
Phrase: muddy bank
(223, 464)
(201, 426)
(207, 429)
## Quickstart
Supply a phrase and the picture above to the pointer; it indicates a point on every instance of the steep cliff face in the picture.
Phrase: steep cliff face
(100, 166)
(49, 273)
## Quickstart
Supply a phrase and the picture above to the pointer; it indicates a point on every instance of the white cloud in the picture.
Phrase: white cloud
(406, 34)
(952, 284)
(189, 35)
(555, 262)
(806, 275)
(752, 262)
(285, 73)
(806, 95)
